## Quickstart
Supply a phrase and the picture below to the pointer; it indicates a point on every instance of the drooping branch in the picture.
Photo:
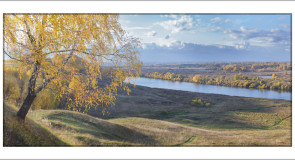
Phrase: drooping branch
(11, 56)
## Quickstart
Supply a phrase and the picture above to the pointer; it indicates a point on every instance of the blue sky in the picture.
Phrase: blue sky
(212, 37)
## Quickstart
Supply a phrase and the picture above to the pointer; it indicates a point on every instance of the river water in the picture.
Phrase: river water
(201, 88)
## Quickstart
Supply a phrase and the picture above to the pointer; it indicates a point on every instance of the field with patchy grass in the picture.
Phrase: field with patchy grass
(159, 117)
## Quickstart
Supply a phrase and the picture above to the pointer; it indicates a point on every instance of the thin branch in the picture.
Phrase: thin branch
(25, 46)
(11, 56)
(59, 51)
(27, 60)
(31, 37)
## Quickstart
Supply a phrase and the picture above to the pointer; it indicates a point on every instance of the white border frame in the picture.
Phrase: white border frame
(143, 7)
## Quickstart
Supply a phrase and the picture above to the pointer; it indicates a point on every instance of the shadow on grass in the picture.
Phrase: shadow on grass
(98, 128)
(18, 132)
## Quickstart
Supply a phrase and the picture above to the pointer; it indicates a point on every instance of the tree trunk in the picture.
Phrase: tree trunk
(31, 93)
(23, 111)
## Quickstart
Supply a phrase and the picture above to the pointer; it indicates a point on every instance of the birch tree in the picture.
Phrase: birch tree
(48, 45)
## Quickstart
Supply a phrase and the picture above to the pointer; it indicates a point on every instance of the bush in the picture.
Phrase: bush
(12, 84)
(45, 100)
(11, 88)
(200, 103)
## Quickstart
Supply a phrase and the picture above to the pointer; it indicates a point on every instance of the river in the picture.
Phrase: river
(201, 88)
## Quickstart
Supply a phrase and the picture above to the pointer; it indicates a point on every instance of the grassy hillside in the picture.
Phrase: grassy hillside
(61, 128)
(26, 133)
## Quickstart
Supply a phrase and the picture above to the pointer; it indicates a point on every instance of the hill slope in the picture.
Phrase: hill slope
(25, 133)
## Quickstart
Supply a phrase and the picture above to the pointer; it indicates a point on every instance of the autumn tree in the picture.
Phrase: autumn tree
(48, 46)
(274, 76)
(197, 78)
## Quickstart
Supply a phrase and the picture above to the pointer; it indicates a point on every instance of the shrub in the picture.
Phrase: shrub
(200, 103)
(45, 100)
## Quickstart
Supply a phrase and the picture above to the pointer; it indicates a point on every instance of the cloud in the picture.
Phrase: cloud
(273, 35)
(284, 26)
(257, 37)
(282, 18)
(192, 52)
(184, 23)
(216, 29)
(243, 45)
(216, 19)
(220, 20)
(227, 20)
(151, 33)
(169, 16)
(138, 28)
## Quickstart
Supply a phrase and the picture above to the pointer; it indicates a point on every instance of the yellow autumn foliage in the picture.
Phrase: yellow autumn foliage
(67, 53)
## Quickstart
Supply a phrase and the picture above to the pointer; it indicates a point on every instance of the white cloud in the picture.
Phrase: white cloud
(227, 20)
(169, 16)
(243, 45)
(151, 33)
(284, 26)
(220, 20)
(216, 19)
(216, 29)
(184, 23)
(282, 18)
(138, 28)
(247, 30)
(166, 42)
(272, 37)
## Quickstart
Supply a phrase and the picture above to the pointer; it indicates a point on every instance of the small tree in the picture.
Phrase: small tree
(197, 78)
(285, 73)
(48, 44)
(274, 76)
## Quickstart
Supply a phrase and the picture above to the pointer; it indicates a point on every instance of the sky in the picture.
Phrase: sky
(171, 38)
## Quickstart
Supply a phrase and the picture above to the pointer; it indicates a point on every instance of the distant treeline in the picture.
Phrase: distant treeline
(235, 67)
(257, 67)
